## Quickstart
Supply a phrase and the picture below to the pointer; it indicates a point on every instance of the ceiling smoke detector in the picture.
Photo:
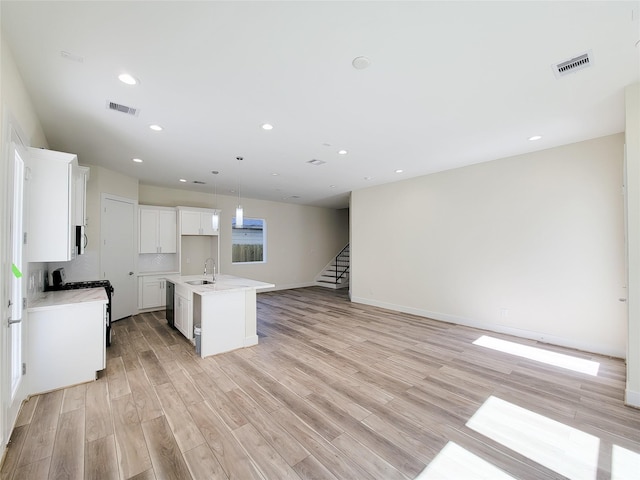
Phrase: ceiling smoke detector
(360, 63)
(572, 65)
(123, 109)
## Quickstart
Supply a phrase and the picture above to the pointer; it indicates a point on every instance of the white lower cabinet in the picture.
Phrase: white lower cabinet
(66, 345)
(183, 316)
(152, 292)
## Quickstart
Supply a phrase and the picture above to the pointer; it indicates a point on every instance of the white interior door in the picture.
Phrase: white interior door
(13, 338)
(118, 253)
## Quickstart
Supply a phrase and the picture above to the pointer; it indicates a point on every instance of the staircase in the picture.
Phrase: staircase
(336, 273)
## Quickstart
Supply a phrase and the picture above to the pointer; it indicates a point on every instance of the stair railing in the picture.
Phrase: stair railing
(342, 266)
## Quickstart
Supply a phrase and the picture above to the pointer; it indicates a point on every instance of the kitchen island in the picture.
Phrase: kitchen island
(225, 310)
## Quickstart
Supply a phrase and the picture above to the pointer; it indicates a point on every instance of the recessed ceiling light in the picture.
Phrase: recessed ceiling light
(156, 128)
(267, 126)
(360, 63)
(183, 180)
(535, 137)
(137, 160)
(399, 170)
(332, 186)
(368, 178)
(274, 174)
(128, 79)
(342, 152)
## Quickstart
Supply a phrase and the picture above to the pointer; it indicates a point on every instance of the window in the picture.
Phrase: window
(248, 242)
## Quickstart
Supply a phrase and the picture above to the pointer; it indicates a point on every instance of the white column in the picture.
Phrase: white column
(632, 181)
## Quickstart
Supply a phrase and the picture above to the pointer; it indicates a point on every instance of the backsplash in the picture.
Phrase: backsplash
(35, 281)
(157, 262)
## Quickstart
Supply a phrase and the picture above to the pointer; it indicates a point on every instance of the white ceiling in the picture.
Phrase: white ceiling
(450, 84)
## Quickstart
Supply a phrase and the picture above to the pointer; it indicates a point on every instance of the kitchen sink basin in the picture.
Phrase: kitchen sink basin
(200, 282)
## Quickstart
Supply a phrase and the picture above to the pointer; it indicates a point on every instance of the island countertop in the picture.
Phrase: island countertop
(224, 283)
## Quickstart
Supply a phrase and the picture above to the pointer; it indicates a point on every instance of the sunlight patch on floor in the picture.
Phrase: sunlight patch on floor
(455, 463)
(541, 355)
(559, 447)
(625, 464)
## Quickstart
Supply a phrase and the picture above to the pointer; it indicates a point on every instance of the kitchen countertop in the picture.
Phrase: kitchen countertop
(146, 274)
(64, 298)
(224, 283)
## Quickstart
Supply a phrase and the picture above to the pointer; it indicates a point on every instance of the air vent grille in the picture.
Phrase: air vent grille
(572, 65)
(199, 182)
(316, 162)
(123, 108)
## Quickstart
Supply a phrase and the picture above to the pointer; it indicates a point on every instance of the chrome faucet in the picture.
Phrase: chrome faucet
(213, 262)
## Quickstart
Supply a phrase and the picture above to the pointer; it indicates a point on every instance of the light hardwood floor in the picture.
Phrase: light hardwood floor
(334, 390)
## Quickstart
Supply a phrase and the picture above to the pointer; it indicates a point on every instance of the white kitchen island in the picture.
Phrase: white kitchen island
(225, 310)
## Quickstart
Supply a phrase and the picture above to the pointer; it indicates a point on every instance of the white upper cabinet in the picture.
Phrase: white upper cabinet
(80, 179)
(197, 221)
(53, 205)
(157, 230)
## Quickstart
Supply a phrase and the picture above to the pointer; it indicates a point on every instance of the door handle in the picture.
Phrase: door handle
(130, 273)
(12, 322)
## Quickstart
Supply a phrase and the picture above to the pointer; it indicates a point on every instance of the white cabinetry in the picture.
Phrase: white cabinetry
(197, 221)
(66, 345)
(80, 179)
(183, 316)
(52, 205)
(157, 230)
(152, 291)
(183, 319)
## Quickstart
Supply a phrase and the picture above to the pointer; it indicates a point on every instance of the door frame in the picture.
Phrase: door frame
(9, 407)
(103, 198)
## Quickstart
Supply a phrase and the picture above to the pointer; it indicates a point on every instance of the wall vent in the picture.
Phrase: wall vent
(316, 162)
(123, 108)
(572, 65)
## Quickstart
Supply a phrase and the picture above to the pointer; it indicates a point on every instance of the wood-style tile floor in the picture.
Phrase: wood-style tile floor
(334, 390)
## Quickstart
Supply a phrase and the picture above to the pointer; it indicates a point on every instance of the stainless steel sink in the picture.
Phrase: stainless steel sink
(199, 282)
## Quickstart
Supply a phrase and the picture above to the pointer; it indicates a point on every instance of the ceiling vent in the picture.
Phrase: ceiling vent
(572, 65)
(123, 108)
(199, 182)
(316, 162)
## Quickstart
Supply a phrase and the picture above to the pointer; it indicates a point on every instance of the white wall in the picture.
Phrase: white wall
(632, 141)
(531, 245)
(301, 240)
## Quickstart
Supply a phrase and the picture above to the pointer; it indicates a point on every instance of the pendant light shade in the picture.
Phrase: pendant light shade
(239, 210)
(239, 216)
(215, 218)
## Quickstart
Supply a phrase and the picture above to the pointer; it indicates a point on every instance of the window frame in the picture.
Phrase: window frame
(264, 241)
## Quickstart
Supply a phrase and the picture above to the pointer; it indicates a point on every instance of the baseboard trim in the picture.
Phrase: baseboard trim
(251, 341)
(493, 327)
(631, 398)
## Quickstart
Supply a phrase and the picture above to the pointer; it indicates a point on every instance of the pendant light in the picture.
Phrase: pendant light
(239, 210)
(215, 218)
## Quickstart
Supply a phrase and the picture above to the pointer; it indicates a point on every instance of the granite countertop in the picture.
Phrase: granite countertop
(224, 283)
(64, 298)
